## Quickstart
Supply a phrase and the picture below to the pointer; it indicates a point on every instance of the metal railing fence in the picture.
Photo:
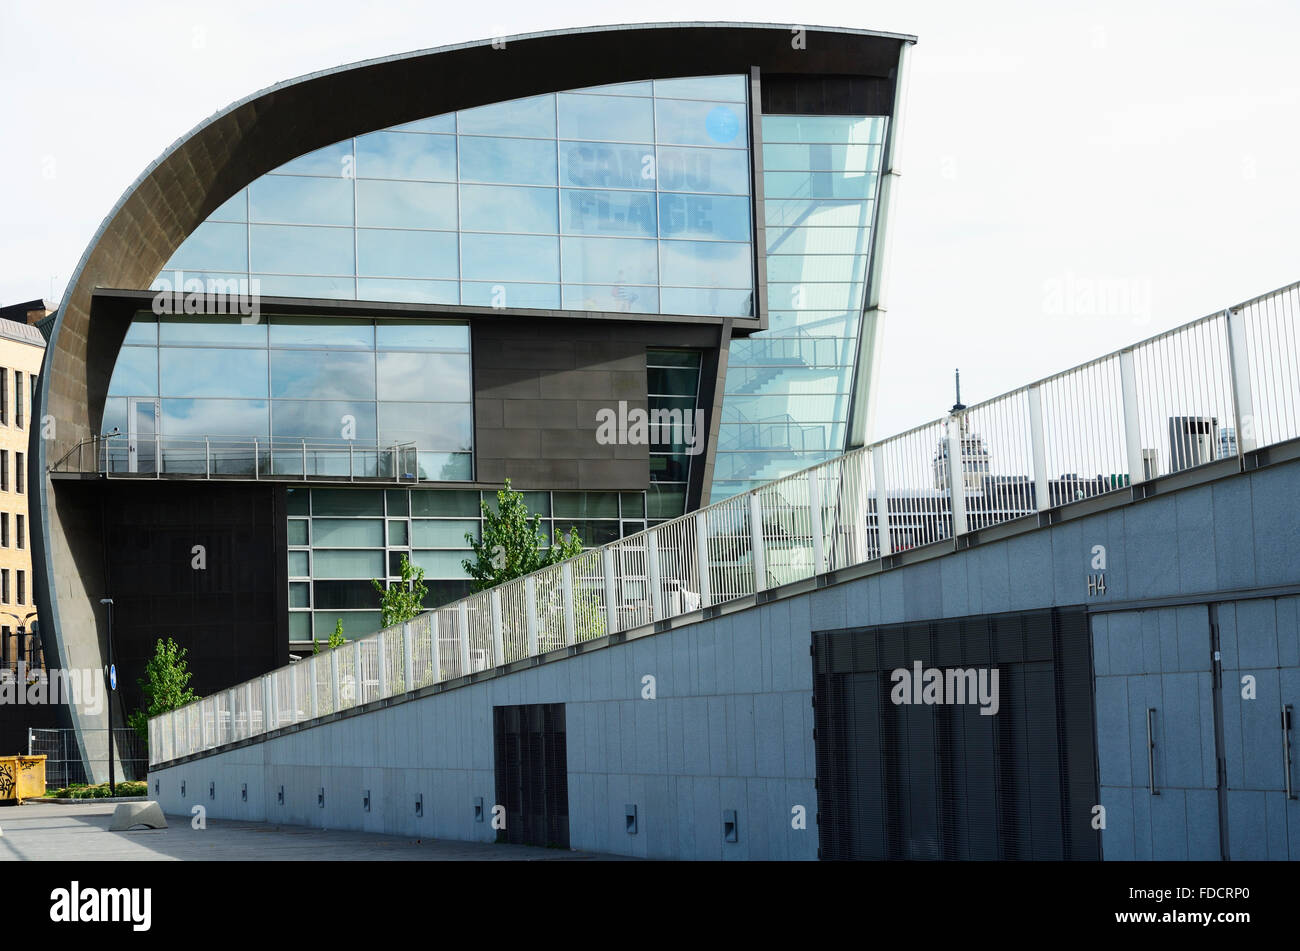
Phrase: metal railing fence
(1215, 388)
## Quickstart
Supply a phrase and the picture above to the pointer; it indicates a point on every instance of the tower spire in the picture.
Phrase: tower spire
(959, 405)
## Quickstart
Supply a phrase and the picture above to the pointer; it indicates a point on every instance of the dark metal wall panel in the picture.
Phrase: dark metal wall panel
(532, 774)
(943, 781)
(229, 615)
(538, 385)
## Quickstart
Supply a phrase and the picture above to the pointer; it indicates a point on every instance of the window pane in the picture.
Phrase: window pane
(143, 331)
(712, 302)
(302, 201)
(508, 208)
(300, 626)
(355, 623)
(407, 253)
(672, 358)
(235, 208)
(443, 534)
(211, 331)
(837, 130)
(818, 240)
(212, 372)
(707, 263)
(507, 161)
(398, 533)
(586, 505)
(612, 298)
(700, 123)
(605, 165)
(819, 185)
(407, 291)
(327, 161)
(429, 377)
(283, 249)
(348, 532)
(845, 268)
(244, 418)
(440, 564)
(617, 119)
(703, 87)
(704, 216)
(456, 503)
(348, 564)
(213, 246)
(299, 595)
(421, 335)
(299, 563)
(498, 295)
(448, 426)
(815, 296)
(407, 156)
(533, 117)
(509, 258)
(323, 375)
(298, 501)
(135, 373)
(821, 157)
(327, 288)
(347, 502)
(382, 204)
(322, 332)
(822, 213)
(324, 420)
(672, 382)
(607, 212)
(446, 466)
(609, 260)
(704, 170)
(335, 595)
(442, 123)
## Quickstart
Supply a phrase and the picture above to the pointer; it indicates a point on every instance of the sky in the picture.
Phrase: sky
(1075, 176)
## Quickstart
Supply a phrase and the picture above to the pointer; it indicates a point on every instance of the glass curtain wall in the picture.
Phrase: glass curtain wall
(788, 388)
(338, 396)
(341, 538)
(677, 434)
(633, 197)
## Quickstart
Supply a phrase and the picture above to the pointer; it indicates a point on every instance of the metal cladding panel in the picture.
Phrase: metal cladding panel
(943, 780)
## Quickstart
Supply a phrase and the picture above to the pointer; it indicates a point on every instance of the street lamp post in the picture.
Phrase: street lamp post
(110, 676)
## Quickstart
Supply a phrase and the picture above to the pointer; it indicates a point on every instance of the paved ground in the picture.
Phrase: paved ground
(43, 831)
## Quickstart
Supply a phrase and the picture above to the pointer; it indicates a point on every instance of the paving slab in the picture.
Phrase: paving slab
(60, 832)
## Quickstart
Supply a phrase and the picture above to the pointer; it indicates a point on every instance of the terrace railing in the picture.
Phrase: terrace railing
(1215, 388)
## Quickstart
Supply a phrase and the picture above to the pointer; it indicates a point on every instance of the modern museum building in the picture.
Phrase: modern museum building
(336, 316)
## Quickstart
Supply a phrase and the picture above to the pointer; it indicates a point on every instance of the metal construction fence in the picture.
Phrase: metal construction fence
(1215, 388)
(65, 765)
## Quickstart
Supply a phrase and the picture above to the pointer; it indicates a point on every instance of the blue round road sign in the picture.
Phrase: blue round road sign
(112, 677)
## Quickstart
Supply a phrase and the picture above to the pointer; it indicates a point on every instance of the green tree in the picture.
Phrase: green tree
(403, 600)
(512, 541)
(166, 685)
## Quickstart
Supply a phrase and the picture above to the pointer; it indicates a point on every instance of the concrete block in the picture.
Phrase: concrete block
(128, 815)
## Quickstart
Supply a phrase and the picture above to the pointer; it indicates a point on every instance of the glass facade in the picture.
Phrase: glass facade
(339, 539)
(788, 389)
(633, 198)
(340, 396)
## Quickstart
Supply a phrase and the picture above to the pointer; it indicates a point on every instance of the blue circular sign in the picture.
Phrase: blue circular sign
(112, 676)
(722, 124)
